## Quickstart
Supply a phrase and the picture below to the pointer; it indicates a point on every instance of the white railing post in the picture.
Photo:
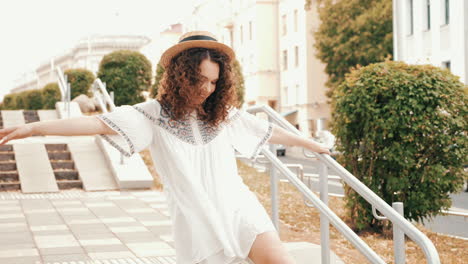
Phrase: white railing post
(399, 237)
(324, 223)
(274, 190)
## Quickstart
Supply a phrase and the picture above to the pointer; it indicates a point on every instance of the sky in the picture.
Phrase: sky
(33, 31)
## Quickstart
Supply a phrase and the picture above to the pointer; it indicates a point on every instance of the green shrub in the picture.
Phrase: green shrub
(157, 79)
(402, 132)
(9, 102)
(51, 94)
(127, 74)
(80, 81)
(33, 99)
(20, 100)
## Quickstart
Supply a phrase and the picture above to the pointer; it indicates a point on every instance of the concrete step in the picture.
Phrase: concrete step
(30, 116)
(10, 186)
(7, 156)
(9, 176)
(12, 118)
(64, 167)
(62, 164)
(69, 184)
(47, 115)
(8, 166)
(66, 175)
(7, 147)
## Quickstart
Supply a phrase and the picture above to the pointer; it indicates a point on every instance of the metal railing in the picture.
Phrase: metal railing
(65, 89)
(400, 225)
(103, 98)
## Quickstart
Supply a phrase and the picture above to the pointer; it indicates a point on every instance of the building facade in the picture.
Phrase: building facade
(432, 32)
(86, 54)
(273, 41)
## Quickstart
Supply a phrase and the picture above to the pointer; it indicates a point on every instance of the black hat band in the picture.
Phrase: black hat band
(197, 37)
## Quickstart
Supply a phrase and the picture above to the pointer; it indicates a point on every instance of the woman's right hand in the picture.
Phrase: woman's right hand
(15, 132)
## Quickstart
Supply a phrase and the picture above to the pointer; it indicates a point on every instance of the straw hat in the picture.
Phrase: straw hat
(195, 39)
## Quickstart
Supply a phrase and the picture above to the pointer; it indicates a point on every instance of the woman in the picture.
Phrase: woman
(192, 130)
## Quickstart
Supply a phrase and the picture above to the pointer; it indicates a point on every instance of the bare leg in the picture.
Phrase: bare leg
(268, 249)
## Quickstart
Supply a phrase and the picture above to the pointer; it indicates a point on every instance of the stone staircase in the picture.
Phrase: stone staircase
(9, 178)
(63, 166)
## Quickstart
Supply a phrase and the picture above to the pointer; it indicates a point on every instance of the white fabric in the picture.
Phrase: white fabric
(215, 216)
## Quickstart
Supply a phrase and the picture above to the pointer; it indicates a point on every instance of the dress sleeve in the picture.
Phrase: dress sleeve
(248, 133)
(134, 125)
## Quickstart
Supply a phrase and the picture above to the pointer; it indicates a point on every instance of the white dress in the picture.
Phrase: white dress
(215, 216)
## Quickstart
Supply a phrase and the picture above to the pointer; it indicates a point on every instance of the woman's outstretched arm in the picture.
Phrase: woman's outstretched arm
(284, 137)
(77, 126)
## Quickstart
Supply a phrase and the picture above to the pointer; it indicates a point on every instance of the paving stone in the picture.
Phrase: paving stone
(124, 219)
(15, 238)
(97, 242)
(89, 228)
(161, 230)
(111, 255)
(101, 235)
(151, 249)
(105, 248)
(66, 258)
(21, 260)
(19, 252)
(44, 219)
(56, 241)
(62, 250)
(138, 237)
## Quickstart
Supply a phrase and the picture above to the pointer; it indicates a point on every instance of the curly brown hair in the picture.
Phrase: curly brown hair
(180, 86)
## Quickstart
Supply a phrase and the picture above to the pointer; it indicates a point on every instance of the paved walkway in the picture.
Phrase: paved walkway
(80, 227)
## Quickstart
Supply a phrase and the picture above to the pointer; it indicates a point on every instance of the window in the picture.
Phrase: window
(447, 12)
(285, 94)
(241, 34)
(296, 56)
(283, 19)
(410, 17)
(285, 60)
(446, 65)
(428, 14)
(298, 94)
(295, 20)
(250, 30)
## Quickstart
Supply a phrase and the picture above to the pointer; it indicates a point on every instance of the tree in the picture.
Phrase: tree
(351, 33)
(33, 99)
(402, 131)
(126, 73)
(80, 81)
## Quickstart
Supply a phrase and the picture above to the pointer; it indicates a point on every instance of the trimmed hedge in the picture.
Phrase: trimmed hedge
(44, 98)
(80, 81)
(402, 130)
(126, 73)
(51, 95)
(33, 99)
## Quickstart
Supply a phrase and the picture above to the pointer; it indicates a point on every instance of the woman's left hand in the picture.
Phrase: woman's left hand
(317, 147)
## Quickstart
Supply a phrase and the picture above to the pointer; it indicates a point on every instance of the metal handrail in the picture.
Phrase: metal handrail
(397, 220)
(102, 96)
(65, 89)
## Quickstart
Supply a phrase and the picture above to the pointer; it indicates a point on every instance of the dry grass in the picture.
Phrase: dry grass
(302, 223)
(299, 222)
